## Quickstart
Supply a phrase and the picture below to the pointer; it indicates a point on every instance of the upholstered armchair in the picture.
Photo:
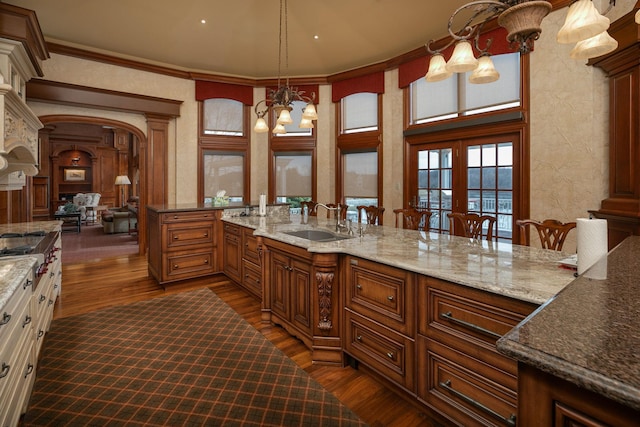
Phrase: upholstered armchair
(119, 220)
(84, 200)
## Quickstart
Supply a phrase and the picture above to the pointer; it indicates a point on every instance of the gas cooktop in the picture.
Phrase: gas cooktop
(20, 243)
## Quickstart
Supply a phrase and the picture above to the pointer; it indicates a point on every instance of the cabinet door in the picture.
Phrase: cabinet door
(232, 256)
(279, 284)
(300, 295)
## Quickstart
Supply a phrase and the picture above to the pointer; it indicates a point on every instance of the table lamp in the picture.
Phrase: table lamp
(122, 180)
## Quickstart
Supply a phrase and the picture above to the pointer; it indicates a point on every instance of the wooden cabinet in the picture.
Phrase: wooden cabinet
(242, 258)
(550, 401)
(251, 262)
(232, 252)
(290, 290)
(621, 208)
(379, 325)
(24, 321)
(182, 244)
(461, 375)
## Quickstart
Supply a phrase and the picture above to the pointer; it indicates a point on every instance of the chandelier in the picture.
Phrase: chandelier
(280, 100)
(522, 19)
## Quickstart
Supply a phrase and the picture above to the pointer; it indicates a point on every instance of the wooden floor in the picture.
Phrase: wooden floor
(94, 285)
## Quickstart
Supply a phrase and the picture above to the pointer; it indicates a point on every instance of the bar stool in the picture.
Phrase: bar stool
(552, 232)
(472, 224)
(373, 214)
(413, 219)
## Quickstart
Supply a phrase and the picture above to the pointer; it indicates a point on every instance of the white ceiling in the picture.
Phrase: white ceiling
(240, 37)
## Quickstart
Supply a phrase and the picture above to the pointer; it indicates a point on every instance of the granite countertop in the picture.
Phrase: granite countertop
(170, 207)
(520, 272)
(13, 271)
(25, 227)
(589, 334)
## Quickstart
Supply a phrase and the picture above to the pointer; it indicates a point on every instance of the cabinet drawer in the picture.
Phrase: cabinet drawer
(189, 264)
(467, 314)
(250, 247)
(11, 315)
(389, 353)
(168, 218)
(194, 234)
(382, 293)
(252, 278)
(232, 228)
(464, 390)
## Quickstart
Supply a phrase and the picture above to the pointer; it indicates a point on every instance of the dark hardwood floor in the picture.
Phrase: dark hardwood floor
(102, 283)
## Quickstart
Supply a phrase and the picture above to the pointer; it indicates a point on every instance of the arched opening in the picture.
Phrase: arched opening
(96, 150)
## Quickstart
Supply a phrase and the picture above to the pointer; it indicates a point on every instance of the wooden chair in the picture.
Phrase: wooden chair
(472, 224)
(412, 218)
(343, 211)
(311, 206)
(552, 232)
(373, 214)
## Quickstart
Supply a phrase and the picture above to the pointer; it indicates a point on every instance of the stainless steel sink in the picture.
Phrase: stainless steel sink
(317, 235)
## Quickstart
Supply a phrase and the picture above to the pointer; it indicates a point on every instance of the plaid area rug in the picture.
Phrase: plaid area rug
(180, 360)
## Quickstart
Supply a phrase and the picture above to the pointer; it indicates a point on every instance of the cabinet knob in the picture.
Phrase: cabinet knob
(175, 266)
(390, 298)
(390, 355)
(358, 287)
(206, 234)
(206, 261)
(175, 237)
(359, 338)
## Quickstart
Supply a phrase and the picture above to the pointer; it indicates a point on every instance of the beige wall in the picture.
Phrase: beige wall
(569, 123)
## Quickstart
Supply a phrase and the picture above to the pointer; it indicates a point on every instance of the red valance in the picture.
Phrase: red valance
(307, 89)
(373, 83)
(413, 70)
(208, 90)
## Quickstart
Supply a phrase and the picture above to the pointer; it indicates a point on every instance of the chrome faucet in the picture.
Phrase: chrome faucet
(339, 226)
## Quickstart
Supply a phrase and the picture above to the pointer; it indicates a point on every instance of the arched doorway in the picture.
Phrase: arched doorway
(106, 148)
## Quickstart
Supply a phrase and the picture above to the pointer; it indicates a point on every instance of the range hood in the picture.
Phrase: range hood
(22, 48)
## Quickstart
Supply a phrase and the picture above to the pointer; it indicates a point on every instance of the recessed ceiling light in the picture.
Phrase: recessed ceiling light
(316, 37)
(203, 21)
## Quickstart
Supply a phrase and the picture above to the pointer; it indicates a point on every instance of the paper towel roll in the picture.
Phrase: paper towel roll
(262, 209)
(592, 242)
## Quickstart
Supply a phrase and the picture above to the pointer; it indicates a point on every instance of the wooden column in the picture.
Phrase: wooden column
(622, 208)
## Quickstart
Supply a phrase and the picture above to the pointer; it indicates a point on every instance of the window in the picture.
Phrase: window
(223, 148)
(360, 181)
(359, 112)
(223, 117)
(456, 97)
(224, 171)
(293, 178)
(359, 152)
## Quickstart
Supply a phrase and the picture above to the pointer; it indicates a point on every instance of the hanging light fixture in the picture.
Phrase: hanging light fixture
(280, 100)
(522, 19)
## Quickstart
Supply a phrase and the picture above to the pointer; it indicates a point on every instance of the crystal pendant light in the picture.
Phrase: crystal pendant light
(485, 72)
(437, 69)
(462, 59)
(583, 21)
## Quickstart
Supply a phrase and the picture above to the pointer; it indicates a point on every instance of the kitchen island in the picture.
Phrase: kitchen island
(422, 310)
(579, 352)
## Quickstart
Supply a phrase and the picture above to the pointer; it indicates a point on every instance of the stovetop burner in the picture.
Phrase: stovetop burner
(25, 234)
(18, 250)
(19, 243)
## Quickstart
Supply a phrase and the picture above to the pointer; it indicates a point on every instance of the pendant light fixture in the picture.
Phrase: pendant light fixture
(279, 101)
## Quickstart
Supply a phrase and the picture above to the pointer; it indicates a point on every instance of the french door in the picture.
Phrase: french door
(477, 175)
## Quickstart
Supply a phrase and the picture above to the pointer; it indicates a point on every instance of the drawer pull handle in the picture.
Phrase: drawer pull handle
(511, 421)
(5, 370)
(471, 326)
(28, 283)
(390, 355)
(27, 320)
(42, 298)
(6, 317)
(40, 333)
(390, 297)
(29, 370)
